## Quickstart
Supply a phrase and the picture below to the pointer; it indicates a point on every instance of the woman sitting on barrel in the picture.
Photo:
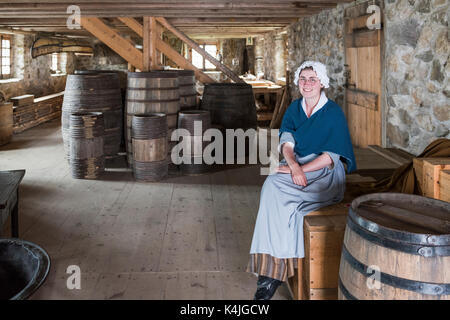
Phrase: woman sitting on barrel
(315, 141)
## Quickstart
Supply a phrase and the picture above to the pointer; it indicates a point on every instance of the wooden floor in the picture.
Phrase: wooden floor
(187, 237)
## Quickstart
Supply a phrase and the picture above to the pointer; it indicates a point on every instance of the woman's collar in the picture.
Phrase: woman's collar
(322, 101)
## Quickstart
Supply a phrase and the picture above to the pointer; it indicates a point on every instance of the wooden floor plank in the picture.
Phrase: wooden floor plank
(185, 237)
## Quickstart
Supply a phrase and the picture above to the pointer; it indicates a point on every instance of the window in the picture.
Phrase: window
(5, 51)
(54, 66)
(202, 63)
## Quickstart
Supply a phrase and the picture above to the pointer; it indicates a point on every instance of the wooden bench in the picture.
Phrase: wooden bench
(316, 277)
(41, 110)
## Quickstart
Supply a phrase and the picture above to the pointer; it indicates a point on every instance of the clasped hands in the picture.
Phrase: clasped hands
(296, 171)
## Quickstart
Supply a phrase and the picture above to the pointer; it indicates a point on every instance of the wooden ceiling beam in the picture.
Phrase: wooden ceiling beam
(229, 73)
(113, 40)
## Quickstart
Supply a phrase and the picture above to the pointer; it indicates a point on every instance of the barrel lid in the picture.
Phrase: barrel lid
(182, 72)
(193, 112)
(152, 74)
(150, 115)
(80, 72)
(403, 217)
(227, 85)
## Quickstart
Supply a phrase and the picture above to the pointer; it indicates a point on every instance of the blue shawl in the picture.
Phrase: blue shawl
(325, 130)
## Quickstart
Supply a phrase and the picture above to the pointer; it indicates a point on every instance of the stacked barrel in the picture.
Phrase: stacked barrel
(95, 92)
(149, 142)
(188, 92)
(193, 163)
(152, 92)
(86, 136)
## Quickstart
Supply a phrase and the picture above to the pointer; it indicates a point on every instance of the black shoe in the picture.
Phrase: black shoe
(266, 288)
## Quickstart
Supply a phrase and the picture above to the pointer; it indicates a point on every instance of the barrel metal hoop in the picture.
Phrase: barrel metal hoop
(152, 100)
(396, 282)
(152, 88)
(404, 236)
(345, 292)
(421, 250)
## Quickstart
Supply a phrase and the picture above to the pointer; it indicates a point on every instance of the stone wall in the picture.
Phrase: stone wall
(33, 75)
(416, 73)
(416, 66)
(103, 59)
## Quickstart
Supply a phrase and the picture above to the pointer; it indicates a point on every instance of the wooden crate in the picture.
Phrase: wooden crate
(444, 185)
(324, 236)
(316, 276)
(427, 172)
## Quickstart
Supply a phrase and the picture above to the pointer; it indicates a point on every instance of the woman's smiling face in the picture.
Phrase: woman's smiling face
(309, 84)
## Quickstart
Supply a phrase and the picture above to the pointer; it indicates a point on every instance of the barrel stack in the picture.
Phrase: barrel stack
(152, 92)
(149, 142)
(193, 163)
(86, 134)
(95, 92)
(188, 92)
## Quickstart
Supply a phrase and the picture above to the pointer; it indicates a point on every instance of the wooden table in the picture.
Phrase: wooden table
(278, 90)
(9, 199)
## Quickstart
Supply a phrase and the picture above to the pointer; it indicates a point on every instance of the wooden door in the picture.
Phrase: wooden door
(363, 48)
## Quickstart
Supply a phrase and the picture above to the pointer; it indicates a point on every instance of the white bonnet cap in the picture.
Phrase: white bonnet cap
(320, 70)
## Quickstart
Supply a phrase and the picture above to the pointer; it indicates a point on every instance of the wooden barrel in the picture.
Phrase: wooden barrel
(6, 123)
(396, 246)
(232, 105)
(86, 134)
(149, 141)
(188, 92)
(99, 92)
(193, 163)
(151, 92)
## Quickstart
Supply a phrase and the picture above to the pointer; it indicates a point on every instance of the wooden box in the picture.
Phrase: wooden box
(444, 185)
(316, 276)
(324, 236)
(427, 171)
(23, 100)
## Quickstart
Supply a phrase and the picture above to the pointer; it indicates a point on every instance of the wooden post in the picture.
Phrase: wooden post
(149, 49)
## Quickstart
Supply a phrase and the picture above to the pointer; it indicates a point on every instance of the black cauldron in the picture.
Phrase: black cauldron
(23, 268)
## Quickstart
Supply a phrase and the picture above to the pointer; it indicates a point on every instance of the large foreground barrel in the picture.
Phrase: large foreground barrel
(95, 92)
(396, 246)
(193, 163)
(23, 268)
(149, 141)
(6, 122)
(232, 105)
(86, 133)
(152, 92)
